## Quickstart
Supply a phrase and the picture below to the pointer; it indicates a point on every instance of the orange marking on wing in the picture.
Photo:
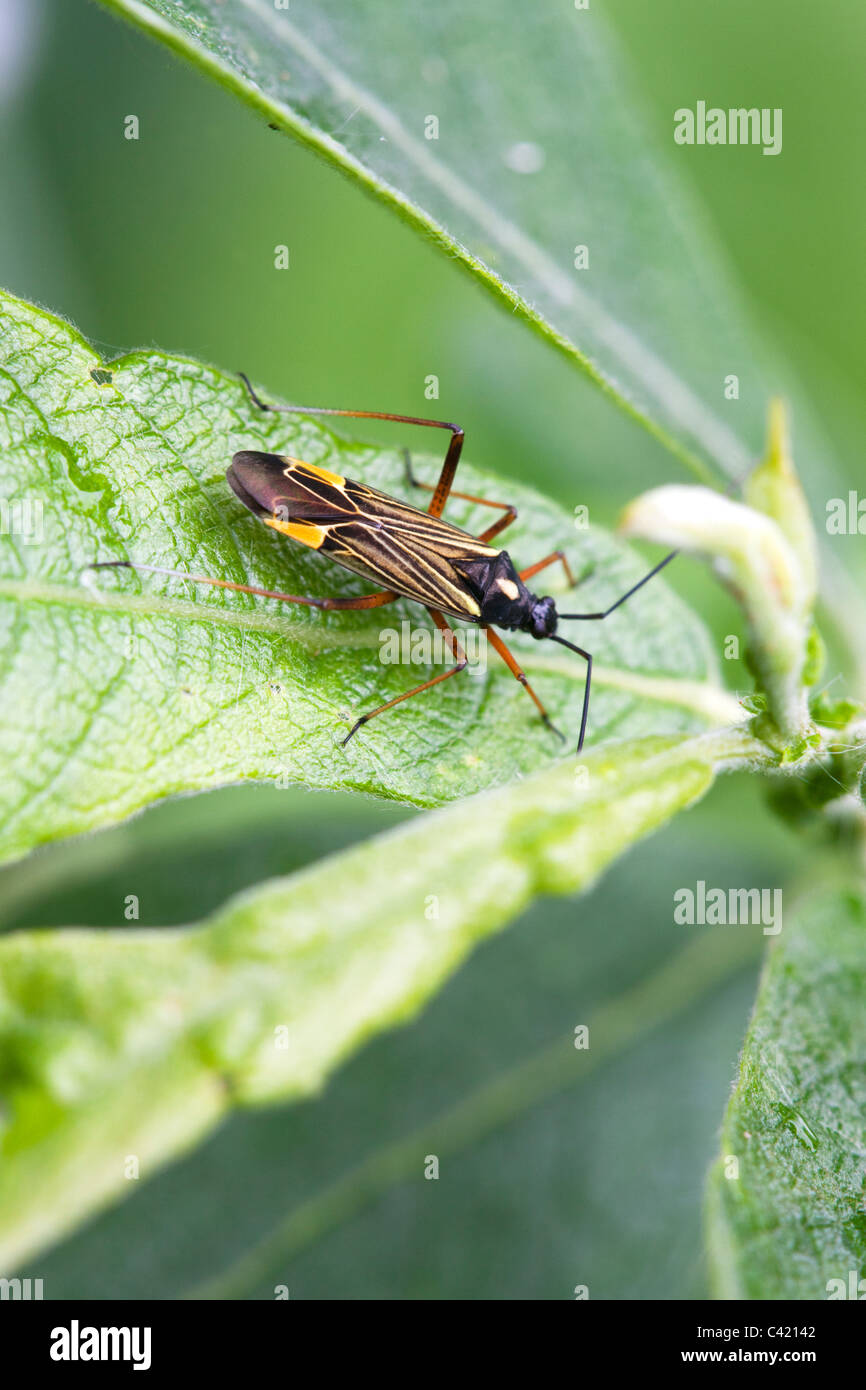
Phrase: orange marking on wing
(304, 531)
(324, 473)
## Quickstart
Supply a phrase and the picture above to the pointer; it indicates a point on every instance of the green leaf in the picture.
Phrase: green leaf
(121, 688)
(538, 152)
(117, 1043)
(786, 1212)
(631, 1208)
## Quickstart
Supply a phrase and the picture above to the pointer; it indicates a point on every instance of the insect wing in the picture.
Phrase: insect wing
(379, 537)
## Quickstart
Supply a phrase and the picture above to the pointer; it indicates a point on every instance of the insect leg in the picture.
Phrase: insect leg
(586, 689)
(452, 456)
(550, 560)
(519, 674)
(377, 600)
(500, 525)
(460, 659)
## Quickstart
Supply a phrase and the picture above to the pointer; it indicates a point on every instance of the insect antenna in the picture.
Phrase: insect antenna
(587, 617)
(591, 617)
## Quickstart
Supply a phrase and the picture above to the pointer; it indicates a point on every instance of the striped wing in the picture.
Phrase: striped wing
(387, 541)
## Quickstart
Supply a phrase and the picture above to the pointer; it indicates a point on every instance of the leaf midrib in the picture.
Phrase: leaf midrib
(704, 697)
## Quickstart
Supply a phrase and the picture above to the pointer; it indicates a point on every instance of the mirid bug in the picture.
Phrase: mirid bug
(413, 554)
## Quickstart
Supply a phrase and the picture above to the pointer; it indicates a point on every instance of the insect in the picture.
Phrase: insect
(411, 553)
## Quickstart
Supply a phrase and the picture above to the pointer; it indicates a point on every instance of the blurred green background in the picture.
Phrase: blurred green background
(159, 243)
